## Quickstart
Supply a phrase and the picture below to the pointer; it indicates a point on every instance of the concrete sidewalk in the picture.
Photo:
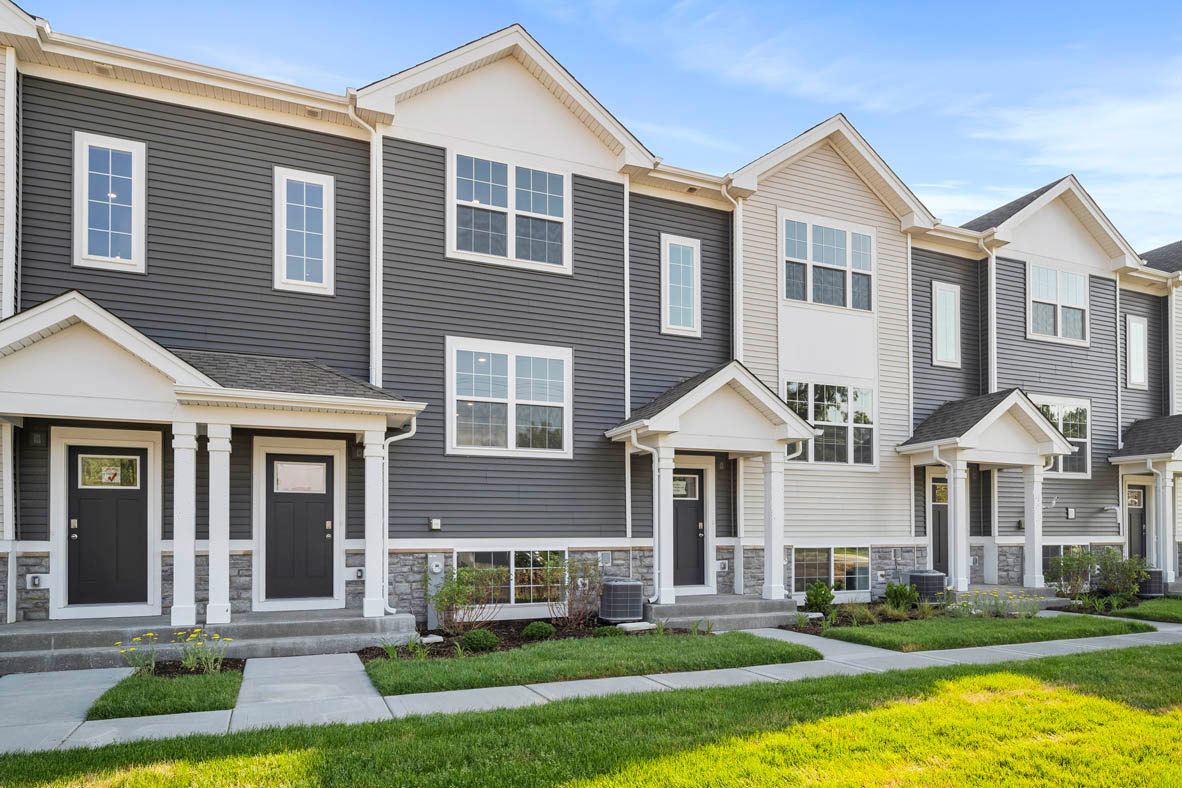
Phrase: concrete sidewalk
(315, 690)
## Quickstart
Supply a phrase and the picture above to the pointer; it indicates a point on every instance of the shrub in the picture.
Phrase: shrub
(571, 588)
(479, 640)
(140, 653)
(1117, 575)
(818, 598)
(925, 609)
(538, 630)
(901, 596)
(894, 613)
(1070, 572)
(202, 652)
(608, 631)
(861, 614)
(470, 597)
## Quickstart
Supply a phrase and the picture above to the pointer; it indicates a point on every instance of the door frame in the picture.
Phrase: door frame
(60, 441)
(701, 462)
(933, 472)
(271, 444)
(1150, 508)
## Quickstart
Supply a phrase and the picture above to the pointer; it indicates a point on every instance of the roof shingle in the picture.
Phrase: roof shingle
(953, 419)
(277, 373)
(1161, 435)
(1165, 258)
(998, 215)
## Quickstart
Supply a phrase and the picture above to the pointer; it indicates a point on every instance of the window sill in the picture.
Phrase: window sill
(832, 465)
(508, 262)
(1058, 340)
(1061, 475)
(299, 287)
(826, 307)
(110, 264)
(1138, 387)
(534, 454)
(947, 364)
(682, 332)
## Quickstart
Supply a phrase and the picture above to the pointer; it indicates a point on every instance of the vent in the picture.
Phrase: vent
(691, 190)
(104, 69)
(312, 112)
(621, 600)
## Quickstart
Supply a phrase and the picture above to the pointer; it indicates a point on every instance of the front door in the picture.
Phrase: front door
(1135, 506)
(940, 525)
(107, 525)
(689, 536)
(300, 526)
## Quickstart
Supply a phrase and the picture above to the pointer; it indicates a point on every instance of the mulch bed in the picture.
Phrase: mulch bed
(844, 619)
(171, 668)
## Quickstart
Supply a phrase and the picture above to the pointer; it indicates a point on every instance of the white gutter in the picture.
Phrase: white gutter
(736, 273)
(627, 297)
(910, 355)
(656, 518)
(1120, 375)
(376, 269)
(8, 251)
(414, 427)
(7, 510)
(991, 325)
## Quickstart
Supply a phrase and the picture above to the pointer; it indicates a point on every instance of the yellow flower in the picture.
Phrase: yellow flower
(124, 651)
(132, 648)
(136, 639)
(227, 638)
(118, 642)
(215, 637)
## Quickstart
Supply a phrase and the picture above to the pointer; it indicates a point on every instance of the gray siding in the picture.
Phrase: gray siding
(209, 226)
(429, 296)
(1062, 370)
(983, 324)
(919, 482)
(980, 501)
(1139, 404)
(642, 496)
(661, 360)
(935, 385)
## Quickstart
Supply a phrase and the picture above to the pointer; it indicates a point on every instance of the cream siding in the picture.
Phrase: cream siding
(831, 505)
(3, 138)
(1176, 350)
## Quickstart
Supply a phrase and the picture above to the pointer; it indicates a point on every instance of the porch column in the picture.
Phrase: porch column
(665, 464)
(218, 609)
(376, 596)
(1032, 574)
(958, 527)
(773, 525)
(1168, 559)
(1151, 527)
(184, 524)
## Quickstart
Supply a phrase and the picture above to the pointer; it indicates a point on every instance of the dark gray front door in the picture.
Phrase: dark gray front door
(300, 526)
(940, 525)
(1135, 506)
(689, 536)
(107, 525)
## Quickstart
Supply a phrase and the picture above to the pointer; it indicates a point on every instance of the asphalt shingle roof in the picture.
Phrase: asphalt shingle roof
(277, 373)
(1165, 258)
(1161, 435)
(998, 215)
(953, 419)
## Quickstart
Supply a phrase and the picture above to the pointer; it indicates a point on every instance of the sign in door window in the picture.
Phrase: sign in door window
(99, 472)
(685, 488)
(1136, 498)
(300, 477)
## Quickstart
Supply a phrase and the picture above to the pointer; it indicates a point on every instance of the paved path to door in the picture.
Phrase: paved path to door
(45, 711)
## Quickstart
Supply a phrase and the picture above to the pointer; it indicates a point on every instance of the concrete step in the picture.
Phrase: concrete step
(731, 621)
(1174, 589)
(718, 605)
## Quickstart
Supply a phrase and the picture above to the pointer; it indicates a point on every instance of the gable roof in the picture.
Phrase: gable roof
(1151, 437)
(997, 216)
(277, 373)
(1165, 258)
(959, 419)
(856, 151)
(512, 41)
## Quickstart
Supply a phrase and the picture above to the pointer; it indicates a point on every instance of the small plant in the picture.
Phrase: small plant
(1117, 575)
(860, 614)
(201, 652)
(391, 649)
(894, 613)
(571, 587)
(709, 630)
(538, 630)
(925, 609)
(140, 653)
(476, 640)
(1071, 572)
(662, 627)
(608, 631)
(1026, 606)
(802, 620)
(901, 596)
(470, 597)
(460, 652)
(703, 626)
(992, 604)
(417, 649)
(818, 598)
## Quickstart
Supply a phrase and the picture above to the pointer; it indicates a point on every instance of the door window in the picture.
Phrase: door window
(1136, 498)
(685, 487)
(100, 472)
(300, 477)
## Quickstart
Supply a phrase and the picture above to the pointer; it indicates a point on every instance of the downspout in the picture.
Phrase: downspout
(991, 324)
(414, 426)
(8, 249)
(656, 519)
(736, 274)
(8, 532)
(376, 213)
(951, 487)
(1121, 375)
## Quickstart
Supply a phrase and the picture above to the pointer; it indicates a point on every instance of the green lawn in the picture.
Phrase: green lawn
(1164, 609)
(945, 632)
(138, 696)
(1108, 718)
(583, 658)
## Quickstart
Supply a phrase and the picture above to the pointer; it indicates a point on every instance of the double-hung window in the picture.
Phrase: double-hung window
(512, 215)
(508, 399)
(845, 416)
(304, 219)
(945, 324)
(840, 568)
(109, 202)
(1073, 418)
(1058, 304)
(1136, 352)
(827, 262)
(681, 285)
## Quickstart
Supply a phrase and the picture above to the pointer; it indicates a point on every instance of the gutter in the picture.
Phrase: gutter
(414, 427)
(991, 326)
(376, 226)
(656, 518)
(736, 272)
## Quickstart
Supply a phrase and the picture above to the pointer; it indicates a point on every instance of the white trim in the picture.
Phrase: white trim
(1069, 402)
(262, 446)
(511, 160)
(844, 594)
(784, 215)
(849, 384)
(511, 349)
(540, 609)
(138, 150)
(1130, 382)
(279, 197)
(937, 288)
(1059, 304)
(668, 327)
(705, 463)
(933, 472)
(8, 251)
(60, 439)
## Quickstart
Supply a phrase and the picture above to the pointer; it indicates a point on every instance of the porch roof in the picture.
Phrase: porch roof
(954, 419)
(1159, 437)
(965, 423)
(279, 373)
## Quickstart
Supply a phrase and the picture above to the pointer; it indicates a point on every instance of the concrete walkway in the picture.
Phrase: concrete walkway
(45, 711)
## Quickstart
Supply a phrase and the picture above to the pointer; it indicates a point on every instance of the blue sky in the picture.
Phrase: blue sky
(971, 106)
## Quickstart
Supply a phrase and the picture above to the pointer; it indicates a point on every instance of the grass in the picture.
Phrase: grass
(947, 632)
(583, 658)
(1164, 609)
(1110, 717)
(138, 696)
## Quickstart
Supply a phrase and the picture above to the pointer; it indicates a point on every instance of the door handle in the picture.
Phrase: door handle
(74, 537)
(701, 533)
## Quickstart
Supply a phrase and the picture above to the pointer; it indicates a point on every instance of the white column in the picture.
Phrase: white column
(773, 525)
(1151, 526)
(184, 524)
(958, 527)
(376, 596)
(1168, 557)
(218, 609)
(1032, 576)
(665, 464)
(737, 564)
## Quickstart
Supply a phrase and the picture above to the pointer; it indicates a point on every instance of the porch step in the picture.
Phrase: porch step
(724, 612)
(1174, 589)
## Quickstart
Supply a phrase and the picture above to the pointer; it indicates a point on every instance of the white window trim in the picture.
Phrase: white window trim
(511, 162)
(281, 282)
(666, 326)
(138, 150)
(850, 384)
(1070, 402)
(514, 609)
(783, 215)
(512, 349)
(1130, 321)
(844, 593)
(1059, 305)
(937, 288)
